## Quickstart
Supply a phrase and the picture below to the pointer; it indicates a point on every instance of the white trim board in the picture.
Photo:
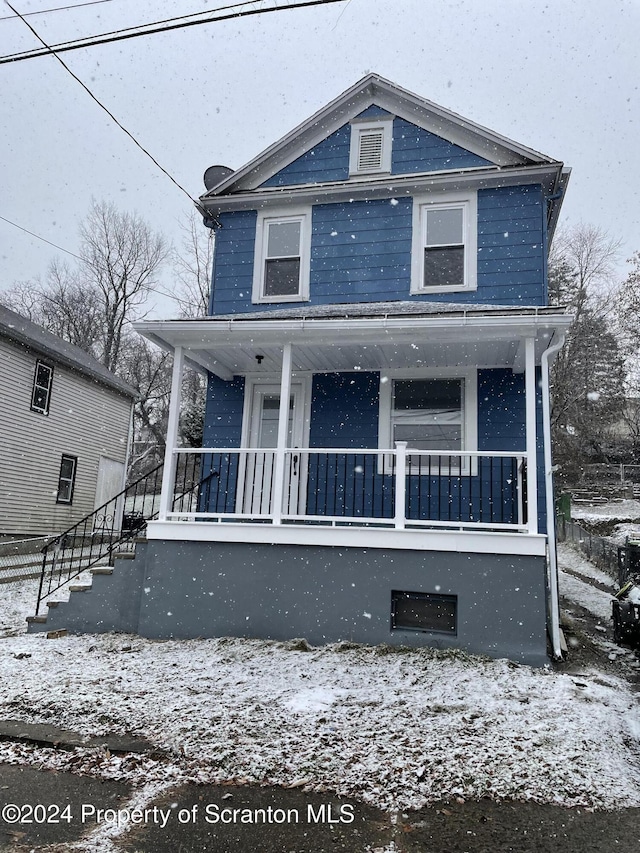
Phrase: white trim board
(463, 542)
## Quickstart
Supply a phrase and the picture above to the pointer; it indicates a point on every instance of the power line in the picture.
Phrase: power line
(57, 9)
(152, 29)
(38, 237)
(68, 252)
(102, 106)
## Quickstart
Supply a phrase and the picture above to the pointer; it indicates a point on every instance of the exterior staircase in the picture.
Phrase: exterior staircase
(92, 546)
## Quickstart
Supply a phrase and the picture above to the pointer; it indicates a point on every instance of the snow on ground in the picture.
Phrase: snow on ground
(396, 728)
(625, 510)
(570, 558)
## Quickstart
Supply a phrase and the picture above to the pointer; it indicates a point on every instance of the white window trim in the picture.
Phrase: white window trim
(469, 204)
(301, 214)
(386, 126)
(469, 411)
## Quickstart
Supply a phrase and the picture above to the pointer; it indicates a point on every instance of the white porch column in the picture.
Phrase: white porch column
(532, 468)
(283, 430)
(169, 470)
(401, 485)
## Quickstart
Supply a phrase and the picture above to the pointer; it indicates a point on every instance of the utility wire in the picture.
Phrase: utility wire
(101, 105)
(73, 254)
(152, 29)
(57, 9)
(38, 237)
(139, 27)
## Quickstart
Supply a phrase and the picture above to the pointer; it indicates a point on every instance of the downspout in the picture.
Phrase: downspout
(551, 516)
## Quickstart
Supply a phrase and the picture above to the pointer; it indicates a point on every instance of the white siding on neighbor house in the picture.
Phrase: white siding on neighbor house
(85, 419)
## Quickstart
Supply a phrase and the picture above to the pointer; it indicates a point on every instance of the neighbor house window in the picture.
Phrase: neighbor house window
(444, 252)
(431, 413)
(41, 393)
(67, 479)
(282, 253)
(421, 611)
(370, 150)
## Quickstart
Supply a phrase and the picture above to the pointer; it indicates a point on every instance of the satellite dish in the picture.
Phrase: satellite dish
(215, 174)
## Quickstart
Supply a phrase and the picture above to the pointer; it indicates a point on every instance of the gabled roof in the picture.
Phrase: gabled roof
(18, 329)
(371, 90)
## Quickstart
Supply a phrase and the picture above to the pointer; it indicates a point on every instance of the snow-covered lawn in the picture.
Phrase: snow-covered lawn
(625, 510)
(395, 728)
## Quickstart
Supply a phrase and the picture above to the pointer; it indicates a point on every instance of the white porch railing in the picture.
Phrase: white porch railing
(358, 487)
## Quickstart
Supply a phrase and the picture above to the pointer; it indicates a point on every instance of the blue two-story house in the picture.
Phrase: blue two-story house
(376, 463)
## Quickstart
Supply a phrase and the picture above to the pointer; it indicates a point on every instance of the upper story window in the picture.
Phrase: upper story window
(41, 393)
(444, 256)
(282, 257)
(370, 150)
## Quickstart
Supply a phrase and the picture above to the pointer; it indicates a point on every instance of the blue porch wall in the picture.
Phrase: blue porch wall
(413, 150)
(361, 252)
(344, 414)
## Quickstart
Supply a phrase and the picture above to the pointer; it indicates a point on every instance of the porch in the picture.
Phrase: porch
(282, 483)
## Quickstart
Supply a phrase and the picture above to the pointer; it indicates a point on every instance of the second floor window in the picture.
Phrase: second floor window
(444, 251)
(281, 270)
(41, 393)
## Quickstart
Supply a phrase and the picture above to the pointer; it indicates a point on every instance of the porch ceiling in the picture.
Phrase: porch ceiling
(231, 347)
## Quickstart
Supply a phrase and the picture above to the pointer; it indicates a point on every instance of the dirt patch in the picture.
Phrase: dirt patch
(490, 827)
(591, 647)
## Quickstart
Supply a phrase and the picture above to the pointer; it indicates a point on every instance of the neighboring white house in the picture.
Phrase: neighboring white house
(65, 422)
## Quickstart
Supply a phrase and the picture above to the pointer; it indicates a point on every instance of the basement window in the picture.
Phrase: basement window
(370, 147)
(423, 611)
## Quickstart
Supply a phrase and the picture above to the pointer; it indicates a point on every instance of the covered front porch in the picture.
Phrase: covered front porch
(448, 477)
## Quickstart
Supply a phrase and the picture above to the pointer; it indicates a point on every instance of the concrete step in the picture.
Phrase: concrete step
(79, 587)
(37, 620)
(52, 603)
(102, 570)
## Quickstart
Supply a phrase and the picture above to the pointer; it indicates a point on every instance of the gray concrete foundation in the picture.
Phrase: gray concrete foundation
(325, 594)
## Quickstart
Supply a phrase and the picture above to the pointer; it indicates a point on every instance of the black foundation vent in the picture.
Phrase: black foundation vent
(424, 611)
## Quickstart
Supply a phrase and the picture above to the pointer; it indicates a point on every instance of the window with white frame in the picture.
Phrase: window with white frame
(370, 150)
(444, 251)
(282, 257)
(433, 413)
(41, 392)
(66, 479)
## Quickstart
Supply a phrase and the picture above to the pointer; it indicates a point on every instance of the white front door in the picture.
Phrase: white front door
(263, 434)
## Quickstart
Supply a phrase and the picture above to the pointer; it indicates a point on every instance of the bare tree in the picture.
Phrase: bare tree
(122, 257)
(192, 267)
(588, 377)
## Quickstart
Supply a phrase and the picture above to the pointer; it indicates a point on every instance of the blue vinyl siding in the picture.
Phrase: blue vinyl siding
(327, 161)
(361, 252)
(222, 428)
(418, 150)
(413, 150)
(374, 111)
(345, 414)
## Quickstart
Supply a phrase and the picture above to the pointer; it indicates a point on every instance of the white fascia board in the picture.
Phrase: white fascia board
(374, 187)
(462, 542)
(376, 90)
(205, 334)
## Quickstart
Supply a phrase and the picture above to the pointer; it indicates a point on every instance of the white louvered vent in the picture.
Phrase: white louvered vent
(370, 151)
(370, 147)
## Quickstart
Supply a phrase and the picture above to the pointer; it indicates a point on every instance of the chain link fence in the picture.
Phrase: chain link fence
(600, 550)
(21, 559)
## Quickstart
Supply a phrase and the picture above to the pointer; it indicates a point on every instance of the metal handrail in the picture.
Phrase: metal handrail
(96, 535)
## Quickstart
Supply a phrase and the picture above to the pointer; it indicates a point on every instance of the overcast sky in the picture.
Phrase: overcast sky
(559, 76)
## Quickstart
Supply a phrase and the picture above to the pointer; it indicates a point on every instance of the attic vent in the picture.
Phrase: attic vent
(370, 147)
(370, 152)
